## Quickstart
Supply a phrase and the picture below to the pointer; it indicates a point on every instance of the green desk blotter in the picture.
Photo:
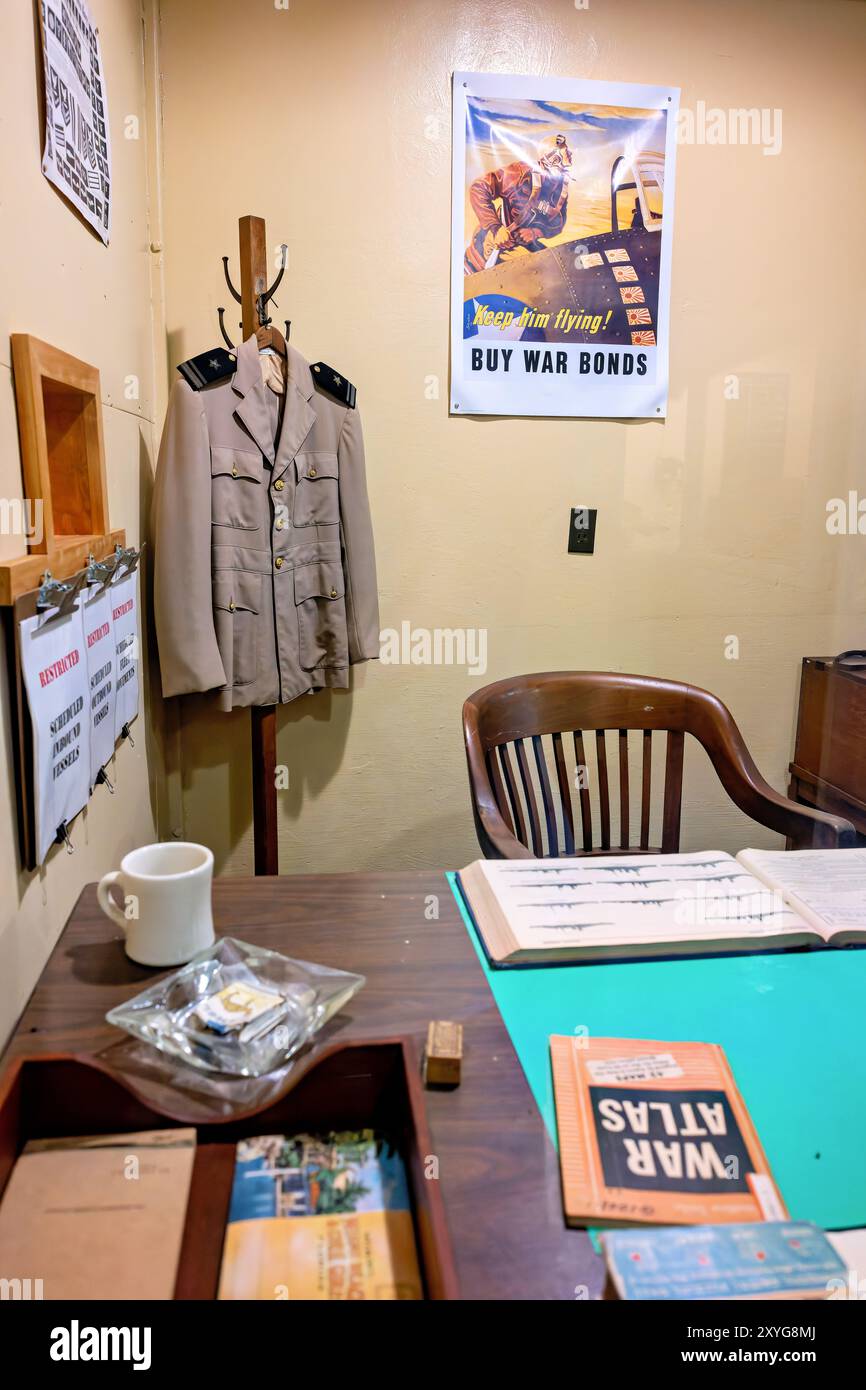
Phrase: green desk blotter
(791, 1024)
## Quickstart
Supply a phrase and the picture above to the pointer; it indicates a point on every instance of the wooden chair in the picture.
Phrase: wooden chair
(576, 707)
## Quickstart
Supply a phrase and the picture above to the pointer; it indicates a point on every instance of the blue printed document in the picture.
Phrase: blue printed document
(761, 1259)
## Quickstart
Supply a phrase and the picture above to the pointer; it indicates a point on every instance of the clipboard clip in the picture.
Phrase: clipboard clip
(126, 561)
(102, 779)
(59, 594)
(101, 572)
(62, 837)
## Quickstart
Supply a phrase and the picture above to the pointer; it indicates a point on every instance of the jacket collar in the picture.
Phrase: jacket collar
(255, 411)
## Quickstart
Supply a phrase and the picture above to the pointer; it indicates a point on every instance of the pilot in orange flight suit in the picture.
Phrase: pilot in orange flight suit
(534, 202)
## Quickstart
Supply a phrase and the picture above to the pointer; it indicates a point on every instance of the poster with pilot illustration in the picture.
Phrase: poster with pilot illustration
(562, 222)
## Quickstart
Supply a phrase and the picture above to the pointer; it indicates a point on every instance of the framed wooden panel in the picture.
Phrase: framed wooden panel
(63, 462)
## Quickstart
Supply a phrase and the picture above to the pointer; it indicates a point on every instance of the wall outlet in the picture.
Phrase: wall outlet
(581, 531)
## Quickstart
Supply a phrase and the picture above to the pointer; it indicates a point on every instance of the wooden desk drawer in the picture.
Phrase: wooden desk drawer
(346, 1086)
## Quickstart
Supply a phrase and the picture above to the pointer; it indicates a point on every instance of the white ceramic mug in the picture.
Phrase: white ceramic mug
(166, 913)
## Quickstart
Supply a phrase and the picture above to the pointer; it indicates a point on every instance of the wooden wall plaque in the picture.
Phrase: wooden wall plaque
(63, 459)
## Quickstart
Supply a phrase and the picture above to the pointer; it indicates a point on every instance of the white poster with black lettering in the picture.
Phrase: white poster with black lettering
(124, 618)
(562, 222)
(54, 668)
(77, 157)
(99, 646)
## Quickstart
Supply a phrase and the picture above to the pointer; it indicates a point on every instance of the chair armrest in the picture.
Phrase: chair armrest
(805, 826)
(713, 725)
(495, 837)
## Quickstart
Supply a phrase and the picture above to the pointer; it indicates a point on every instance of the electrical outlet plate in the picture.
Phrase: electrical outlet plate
(581, 530)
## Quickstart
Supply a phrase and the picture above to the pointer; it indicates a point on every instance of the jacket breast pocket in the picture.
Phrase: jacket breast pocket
(321, 605)
(237, 598)
(317, 495)
(236, 488)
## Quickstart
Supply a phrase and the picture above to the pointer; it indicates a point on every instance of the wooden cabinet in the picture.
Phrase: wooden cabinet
(829, 766)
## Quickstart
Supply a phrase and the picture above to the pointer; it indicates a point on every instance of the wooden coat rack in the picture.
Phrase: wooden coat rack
(254, 282)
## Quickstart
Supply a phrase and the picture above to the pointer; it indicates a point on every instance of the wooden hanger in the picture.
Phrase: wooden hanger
(270, 337)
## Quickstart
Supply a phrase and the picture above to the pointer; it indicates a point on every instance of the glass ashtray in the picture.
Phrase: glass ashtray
(294, 997)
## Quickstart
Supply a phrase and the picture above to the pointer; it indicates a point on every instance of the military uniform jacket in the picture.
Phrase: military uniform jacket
(264, 571)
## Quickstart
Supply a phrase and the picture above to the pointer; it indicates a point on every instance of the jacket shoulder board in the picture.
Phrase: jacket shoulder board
(208, 367)
(334, 383)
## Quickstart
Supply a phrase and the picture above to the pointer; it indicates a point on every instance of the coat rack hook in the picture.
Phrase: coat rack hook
(226, 339)
(262, 314)
(269, 293)
(232, 289)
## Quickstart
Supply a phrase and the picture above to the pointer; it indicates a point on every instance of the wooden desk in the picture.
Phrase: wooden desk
(498, 1169)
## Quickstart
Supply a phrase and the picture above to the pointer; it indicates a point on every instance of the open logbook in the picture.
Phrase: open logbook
(623, 907)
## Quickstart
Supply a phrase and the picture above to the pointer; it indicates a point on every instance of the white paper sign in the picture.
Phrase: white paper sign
(77, 156)
(649, 1066)
(562, 223)
(99, 646)
(54, 667)
(124, 618)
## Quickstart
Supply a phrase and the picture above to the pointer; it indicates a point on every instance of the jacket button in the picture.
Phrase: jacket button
(333, 593)
(280, 524)
(231, 605)
(279, 562)
(279, 485)
(234, 472)
(312, 473)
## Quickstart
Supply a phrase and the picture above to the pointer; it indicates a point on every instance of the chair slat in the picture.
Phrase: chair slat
(546, 796)
(585, 803)
(514, 799)
(529, 797)
(564, 793)
(498, 789)
(623, 788)
(673, 793)
(645, 788)
(558, 704)
(603, 790)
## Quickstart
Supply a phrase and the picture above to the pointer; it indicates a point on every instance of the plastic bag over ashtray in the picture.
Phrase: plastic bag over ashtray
(282, 1003)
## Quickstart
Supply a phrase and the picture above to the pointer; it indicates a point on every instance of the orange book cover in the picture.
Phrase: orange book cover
(657, 1133)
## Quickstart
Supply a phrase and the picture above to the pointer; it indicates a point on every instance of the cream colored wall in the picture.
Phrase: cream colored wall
(333, 123)
(713, 524)
(60, 283)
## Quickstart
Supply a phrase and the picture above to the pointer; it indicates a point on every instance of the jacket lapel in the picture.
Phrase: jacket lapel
(252, 409)
(298, 415)
(254, 412)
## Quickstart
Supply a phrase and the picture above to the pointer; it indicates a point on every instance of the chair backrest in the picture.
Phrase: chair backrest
(547, 746)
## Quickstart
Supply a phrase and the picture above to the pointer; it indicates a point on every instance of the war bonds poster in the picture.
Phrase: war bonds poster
(562, 211)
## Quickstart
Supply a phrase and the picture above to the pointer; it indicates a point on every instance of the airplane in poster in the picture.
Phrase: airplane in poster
(600, 289)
